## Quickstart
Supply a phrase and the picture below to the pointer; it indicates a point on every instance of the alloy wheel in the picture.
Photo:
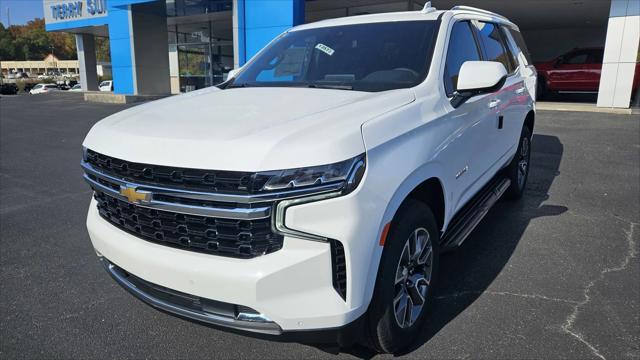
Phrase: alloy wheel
(413, 278)
(523, 162)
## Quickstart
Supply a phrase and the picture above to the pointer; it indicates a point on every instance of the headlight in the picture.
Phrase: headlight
(348, 173)
(328, 181)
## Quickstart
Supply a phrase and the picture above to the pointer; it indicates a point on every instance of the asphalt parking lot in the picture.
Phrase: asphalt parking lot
(553, 276)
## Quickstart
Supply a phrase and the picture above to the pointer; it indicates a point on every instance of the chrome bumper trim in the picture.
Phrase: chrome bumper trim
(262, 327)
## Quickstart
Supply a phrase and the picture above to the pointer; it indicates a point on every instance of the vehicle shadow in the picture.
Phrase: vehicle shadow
(469, 270)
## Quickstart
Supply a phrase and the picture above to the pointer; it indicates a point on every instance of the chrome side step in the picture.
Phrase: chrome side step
(471, 214)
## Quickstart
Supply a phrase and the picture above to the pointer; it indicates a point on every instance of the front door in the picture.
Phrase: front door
(469, 154)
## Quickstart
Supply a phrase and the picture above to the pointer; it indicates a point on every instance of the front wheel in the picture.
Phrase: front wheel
(408, 269)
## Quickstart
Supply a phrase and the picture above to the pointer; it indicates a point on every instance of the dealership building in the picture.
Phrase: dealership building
(160, 47)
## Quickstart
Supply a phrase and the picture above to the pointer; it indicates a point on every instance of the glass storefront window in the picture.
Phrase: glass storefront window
(203, 60)
(203, 65)
(194, 7)
(200, 42)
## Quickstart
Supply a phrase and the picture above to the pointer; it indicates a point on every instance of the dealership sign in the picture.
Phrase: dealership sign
(56, 10)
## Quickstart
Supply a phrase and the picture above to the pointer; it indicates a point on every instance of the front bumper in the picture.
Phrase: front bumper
(292, 287)
(188, 306)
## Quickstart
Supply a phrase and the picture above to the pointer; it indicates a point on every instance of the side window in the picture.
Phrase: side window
(512, 48)
(517, 36)
(462, 47)
(493, 43)
(576, 58)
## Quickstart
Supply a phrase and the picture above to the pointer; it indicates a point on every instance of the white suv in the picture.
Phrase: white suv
(313, 192)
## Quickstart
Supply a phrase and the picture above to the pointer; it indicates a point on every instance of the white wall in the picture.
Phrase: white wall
(620, 54)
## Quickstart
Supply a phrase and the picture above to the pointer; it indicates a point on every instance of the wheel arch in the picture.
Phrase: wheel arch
(530, 120)
(425, 185)
(431, 192)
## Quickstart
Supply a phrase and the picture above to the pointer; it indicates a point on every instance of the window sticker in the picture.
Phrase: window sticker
(325, 49)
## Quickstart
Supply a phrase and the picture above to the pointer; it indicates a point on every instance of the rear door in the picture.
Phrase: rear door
(523, 85)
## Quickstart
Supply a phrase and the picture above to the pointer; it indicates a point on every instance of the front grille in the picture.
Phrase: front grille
(227, 237)
(339, 268)
(228, 182)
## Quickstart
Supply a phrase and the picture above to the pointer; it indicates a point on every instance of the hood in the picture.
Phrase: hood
(244, 129)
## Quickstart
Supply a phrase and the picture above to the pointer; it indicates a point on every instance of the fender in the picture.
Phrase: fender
(423, 173)
(420, 175)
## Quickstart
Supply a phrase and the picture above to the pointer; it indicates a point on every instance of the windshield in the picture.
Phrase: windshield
(363, 57)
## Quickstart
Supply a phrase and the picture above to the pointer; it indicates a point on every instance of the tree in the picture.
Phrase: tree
(7, 49)
(32, 42)
(102, 49)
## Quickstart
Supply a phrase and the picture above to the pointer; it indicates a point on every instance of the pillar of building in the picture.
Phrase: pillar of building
(139, 47)
(620, 54)
(86, 50)
(257, 22)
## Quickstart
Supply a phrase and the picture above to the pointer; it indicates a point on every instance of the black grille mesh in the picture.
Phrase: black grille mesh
(339, 266)
(231, 182)
(236, 238)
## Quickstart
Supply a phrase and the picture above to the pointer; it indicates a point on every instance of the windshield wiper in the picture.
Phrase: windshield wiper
(233, 85)
(328, 86)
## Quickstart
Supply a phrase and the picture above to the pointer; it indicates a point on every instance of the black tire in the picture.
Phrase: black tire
(541, 89)
(514, 171)
(386, 334)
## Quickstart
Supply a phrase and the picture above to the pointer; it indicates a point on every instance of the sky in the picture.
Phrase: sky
(20, 11)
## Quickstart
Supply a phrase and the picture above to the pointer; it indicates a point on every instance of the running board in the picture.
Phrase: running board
(472, 213)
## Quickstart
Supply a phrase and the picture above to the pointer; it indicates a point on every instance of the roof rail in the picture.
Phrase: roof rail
(473, 9)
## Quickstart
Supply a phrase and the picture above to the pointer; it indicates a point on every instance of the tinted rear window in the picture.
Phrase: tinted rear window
(517, 36)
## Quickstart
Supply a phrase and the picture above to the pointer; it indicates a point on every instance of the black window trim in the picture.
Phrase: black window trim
(478, 49)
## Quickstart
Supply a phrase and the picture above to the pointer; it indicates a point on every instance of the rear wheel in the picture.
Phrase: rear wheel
(408, 270)
(518, 169)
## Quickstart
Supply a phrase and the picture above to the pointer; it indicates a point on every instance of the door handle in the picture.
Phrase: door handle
(494, 103)
(520, 91)
(500, 121)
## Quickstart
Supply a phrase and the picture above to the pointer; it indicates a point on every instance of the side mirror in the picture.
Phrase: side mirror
(558, 62)
(232, 73)
(478, 77)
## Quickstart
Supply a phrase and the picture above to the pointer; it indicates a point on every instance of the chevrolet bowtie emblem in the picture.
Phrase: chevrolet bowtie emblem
(133, 195)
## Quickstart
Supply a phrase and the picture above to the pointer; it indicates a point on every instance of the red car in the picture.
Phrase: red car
(576, 71)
